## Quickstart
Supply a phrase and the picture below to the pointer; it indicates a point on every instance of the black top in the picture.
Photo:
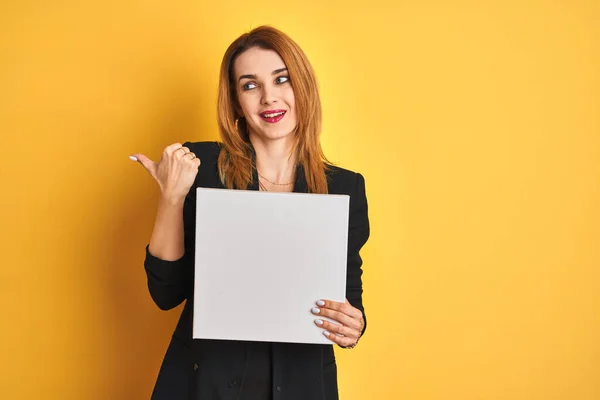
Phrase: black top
(257, 382)
(202, 369)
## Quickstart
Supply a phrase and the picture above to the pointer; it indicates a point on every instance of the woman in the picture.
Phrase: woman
(269, 116)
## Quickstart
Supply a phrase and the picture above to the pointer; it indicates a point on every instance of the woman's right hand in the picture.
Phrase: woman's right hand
(175, 172)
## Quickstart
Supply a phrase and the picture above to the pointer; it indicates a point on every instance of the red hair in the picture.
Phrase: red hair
(235, 160)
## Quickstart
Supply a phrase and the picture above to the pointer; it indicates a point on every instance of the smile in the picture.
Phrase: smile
(273, 116)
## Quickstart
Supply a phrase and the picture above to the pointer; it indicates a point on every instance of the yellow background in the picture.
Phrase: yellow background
(476, 125)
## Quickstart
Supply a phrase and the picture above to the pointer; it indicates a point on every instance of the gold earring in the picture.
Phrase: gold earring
(236, 123)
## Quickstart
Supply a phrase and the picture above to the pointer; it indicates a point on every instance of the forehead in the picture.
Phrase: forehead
(257, 61)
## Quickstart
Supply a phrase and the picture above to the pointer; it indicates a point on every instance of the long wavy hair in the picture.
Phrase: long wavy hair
(236, 162)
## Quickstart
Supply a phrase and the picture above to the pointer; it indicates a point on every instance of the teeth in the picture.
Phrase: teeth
(272, 115)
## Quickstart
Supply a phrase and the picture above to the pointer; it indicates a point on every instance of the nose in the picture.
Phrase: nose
(269, 95)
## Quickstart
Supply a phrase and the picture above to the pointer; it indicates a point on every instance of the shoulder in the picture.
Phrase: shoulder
(344, 181)
(208, 153)
(205, 151)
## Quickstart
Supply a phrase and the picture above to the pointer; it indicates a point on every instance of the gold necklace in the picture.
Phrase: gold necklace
(273, 183)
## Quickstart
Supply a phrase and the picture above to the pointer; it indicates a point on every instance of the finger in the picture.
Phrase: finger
(361, 316)
(146, 163)
(188, 156)
(171, 148)
(338, 329)
(180, 152)
(340, 340)
(356, 312)
(337, 316)
(345, 308)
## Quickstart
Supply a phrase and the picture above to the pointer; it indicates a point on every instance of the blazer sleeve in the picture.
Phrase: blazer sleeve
(171, 282)
(358, 233)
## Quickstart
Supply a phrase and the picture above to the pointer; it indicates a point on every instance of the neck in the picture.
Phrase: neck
(274, 158)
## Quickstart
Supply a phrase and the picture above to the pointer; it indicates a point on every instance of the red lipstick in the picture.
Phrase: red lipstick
(272, 116)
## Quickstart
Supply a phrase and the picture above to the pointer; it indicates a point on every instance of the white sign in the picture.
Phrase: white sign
(263, 259)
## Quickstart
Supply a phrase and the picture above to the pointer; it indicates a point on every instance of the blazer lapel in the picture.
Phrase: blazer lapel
(300, 185)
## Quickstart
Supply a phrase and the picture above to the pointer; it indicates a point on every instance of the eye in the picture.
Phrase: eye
(282, 79)
(249, 85)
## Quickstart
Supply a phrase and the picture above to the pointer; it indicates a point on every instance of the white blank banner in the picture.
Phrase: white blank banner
(263, 259)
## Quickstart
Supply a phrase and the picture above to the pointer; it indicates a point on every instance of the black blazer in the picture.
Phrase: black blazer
(213, 369)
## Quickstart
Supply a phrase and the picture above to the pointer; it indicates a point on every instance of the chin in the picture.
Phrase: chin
(278, 134)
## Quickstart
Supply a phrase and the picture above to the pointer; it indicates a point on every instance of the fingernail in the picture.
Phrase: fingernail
(316, 310)
(320, 303)
(326, 333)
(319, 322)
(132, 158)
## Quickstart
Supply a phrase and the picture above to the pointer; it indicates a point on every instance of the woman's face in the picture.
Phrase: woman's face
(265, 93)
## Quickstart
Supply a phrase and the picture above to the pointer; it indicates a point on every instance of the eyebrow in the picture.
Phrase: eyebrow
(252, 76)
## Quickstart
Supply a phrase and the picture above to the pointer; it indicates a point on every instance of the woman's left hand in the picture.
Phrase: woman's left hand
(350, 319)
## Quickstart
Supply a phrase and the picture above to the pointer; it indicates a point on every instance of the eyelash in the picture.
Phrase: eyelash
(244, 87)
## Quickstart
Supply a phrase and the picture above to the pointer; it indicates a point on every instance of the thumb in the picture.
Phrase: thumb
(145, 161)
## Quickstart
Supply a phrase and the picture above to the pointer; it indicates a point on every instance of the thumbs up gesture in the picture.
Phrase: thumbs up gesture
(175, 172)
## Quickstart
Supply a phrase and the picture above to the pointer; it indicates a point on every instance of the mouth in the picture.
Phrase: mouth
(273, 116)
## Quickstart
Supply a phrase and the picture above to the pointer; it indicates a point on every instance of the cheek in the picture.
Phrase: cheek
(246, 106)
(290, 94)
(290, 99)
(246, 98)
